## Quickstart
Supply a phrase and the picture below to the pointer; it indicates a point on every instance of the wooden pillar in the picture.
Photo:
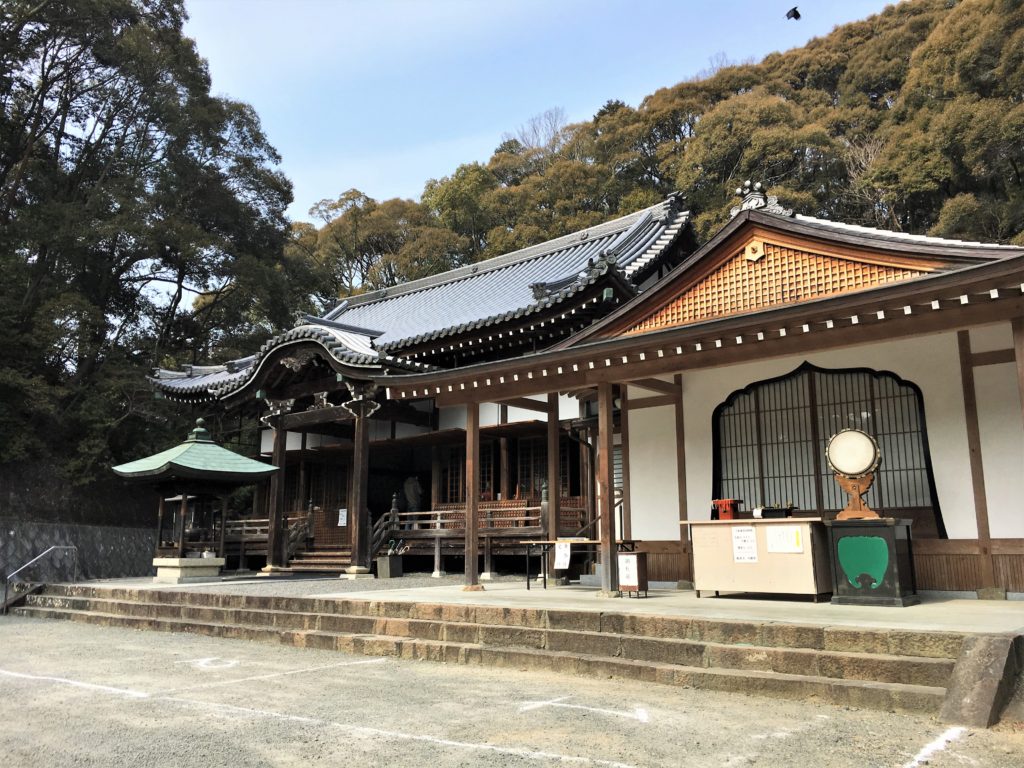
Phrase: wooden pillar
(435, 477)
(438, 561)
(554, 473)
(304, 501)
(505, 487)
(180, 543)
(223, 525)
(359, 512)
(587, 475)
(275, 516)
(686, 563)
(160, 522)
(627, 514)
(1018, 355)
(472, 496)
(605, 490)
(988, 577)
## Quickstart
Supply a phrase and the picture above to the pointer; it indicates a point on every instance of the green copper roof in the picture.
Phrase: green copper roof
(200, 458)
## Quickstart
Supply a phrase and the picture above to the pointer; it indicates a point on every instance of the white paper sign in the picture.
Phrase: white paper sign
(563, 551)
(629, 579)
(785, 539)
(342, 518)
(744, 544)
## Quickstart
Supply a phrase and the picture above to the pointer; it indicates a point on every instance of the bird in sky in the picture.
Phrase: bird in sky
(793, 14)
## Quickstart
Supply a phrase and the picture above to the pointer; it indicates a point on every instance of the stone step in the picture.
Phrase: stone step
(889, 668)
(859, 693)
(893, 642)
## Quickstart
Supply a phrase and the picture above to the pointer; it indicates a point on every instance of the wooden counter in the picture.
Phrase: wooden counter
(780, 555)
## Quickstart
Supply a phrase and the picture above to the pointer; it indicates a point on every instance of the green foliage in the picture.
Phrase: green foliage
(125, 188)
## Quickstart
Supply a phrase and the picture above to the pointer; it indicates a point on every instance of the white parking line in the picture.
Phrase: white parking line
(639, 713)
(944, 740)
(356, 730)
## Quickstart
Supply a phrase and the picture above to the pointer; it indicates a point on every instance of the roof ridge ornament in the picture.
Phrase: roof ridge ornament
(754, 199)
(200, 434)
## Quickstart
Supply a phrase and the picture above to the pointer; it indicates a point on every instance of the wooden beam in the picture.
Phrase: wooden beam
(506, 478)
(435, 476)
(605, 490)
(649, 402)
(655, 385)
(304, 419)
(472, 498)
(988, 577)
(993, 357)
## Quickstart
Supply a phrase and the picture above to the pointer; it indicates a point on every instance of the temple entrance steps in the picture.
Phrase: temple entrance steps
(873, 668)
(323, 559)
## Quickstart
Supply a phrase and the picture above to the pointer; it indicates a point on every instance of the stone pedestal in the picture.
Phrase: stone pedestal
(183, 570)
(872, 562)
(389, 567)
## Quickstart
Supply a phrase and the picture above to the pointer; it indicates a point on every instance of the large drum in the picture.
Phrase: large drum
(852, 453)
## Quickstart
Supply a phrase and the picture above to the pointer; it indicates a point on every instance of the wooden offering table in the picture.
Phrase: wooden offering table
(778, 556)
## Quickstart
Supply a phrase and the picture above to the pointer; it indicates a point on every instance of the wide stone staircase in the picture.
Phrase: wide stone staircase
(872, 668)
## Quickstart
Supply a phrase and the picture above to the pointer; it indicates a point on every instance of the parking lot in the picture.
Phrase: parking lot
(90, 696)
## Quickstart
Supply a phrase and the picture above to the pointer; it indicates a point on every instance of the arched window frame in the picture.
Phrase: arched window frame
(819, 468)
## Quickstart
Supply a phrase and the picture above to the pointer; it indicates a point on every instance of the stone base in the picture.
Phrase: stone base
(992, 593)
(604, 593)
(354, 572)
(488, 576)
(438, 574)
(473, 588)
(185, 570)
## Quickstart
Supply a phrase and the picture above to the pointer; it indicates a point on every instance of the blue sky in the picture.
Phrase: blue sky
(384, 95)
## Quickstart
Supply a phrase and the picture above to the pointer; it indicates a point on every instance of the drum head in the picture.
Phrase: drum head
(852, 453)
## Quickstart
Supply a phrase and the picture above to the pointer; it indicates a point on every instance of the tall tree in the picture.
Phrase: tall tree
(126, 189)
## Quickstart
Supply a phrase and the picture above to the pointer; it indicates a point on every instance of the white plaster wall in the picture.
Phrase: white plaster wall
(931, 362)
(1002, 447)
(988, 338)
(653, 483)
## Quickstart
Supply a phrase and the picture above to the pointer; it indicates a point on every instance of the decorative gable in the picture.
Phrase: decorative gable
(764, 274)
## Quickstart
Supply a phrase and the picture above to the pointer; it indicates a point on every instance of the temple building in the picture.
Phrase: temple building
(642, 377)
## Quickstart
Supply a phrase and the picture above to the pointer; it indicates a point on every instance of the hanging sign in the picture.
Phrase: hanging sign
(563, 551)
(342, 517)
(785, 539)
(744, 544)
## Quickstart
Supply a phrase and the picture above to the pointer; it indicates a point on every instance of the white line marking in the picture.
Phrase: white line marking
(358, 730)
(638, 713)
(944, 740)
(78, 684)
(213, 662)
(272, 675)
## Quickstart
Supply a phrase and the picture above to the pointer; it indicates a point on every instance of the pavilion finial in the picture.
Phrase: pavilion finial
(754, 198)
(200, 434)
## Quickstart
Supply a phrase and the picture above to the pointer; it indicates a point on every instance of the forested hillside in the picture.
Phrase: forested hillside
(126, 189)
(910, 120)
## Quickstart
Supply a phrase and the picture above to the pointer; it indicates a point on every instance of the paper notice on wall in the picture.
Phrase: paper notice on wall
(563, 551)
(784, 539)
(342, 518)
(744, 544)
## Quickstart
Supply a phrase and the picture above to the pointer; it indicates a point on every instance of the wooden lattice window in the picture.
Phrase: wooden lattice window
(770, 438)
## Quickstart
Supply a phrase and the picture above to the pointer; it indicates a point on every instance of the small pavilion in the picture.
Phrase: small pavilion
(201, 472)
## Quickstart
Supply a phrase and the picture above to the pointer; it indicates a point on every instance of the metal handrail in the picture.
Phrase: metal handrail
(33, 561)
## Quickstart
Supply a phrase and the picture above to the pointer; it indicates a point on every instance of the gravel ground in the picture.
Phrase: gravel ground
(89, 696)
